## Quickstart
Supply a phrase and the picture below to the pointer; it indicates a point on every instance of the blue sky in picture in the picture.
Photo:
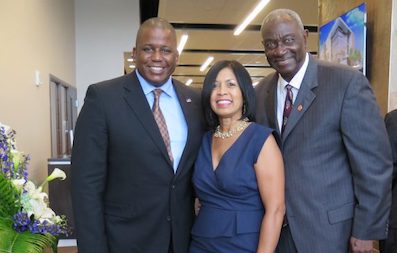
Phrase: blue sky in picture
(355, 20)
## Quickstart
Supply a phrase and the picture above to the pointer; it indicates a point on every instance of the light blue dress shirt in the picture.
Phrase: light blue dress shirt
(173, 115)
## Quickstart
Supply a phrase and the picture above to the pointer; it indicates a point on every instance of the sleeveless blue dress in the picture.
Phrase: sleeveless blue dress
(231, 210)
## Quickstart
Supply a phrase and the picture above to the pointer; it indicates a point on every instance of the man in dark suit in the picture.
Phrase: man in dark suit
(390, 244)
(336, 154)
(131, 178)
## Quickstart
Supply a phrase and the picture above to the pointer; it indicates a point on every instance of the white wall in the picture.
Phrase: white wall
(35, 35)
(80, 42)
(104, 30)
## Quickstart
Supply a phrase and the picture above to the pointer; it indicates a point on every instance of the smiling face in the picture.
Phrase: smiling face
(156, 54)
(226, 97)
(285, 45)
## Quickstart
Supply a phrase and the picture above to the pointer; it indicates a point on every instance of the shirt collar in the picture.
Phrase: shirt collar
(148, 87)
(296, 81)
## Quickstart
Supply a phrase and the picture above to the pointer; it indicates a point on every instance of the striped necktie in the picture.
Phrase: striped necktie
(287, 106)
(159, 117)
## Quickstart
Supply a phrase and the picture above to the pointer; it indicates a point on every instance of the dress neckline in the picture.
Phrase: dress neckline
(210, 141)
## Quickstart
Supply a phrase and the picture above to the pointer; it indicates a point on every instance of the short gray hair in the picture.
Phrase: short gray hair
(278, 14)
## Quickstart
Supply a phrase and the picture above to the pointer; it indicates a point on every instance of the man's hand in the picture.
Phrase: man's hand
(361, 246)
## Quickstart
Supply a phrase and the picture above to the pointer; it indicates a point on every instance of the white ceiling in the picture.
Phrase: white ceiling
(217, 19)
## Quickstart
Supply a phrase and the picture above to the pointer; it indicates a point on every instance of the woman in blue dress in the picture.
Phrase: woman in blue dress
(239, 172)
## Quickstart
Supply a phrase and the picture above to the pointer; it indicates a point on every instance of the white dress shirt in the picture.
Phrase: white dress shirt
(282, 91)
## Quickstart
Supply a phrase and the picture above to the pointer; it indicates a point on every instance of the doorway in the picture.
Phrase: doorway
(63, 103)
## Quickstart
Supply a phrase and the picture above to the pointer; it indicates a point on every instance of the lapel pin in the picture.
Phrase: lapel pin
(300, 107)
(188, 100)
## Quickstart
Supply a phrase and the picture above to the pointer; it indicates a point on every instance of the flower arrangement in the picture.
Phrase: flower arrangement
(27, 224)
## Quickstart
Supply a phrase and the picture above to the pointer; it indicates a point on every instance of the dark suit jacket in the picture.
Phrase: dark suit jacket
(391, 126)
(126, 197)
(336, 156)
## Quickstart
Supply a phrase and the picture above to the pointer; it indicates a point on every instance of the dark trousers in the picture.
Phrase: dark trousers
(171, 248)
(286, 243)
(390, 244)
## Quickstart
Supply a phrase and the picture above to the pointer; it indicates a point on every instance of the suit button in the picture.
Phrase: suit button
(173, 186)
(168, 218)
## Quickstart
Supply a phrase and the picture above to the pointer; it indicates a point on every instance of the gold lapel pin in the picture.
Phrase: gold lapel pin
(300, 107)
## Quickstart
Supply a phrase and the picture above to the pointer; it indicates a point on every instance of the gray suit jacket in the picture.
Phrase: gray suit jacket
(337, 158)
(391, 126)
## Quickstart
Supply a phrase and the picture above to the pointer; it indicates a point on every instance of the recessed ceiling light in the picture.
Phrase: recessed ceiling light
(130, 60)
(131, 66)
(206, 63)
(250, 17)
(182, 43)
(189, 82)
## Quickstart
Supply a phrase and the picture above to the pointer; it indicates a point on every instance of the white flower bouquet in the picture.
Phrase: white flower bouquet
(27, 224)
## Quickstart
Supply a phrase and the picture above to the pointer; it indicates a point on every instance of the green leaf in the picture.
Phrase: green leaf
(9, 198)
(26, 242)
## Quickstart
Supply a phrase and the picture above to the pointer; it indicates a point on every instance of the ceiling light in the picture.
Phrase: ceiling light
(255, 83)
(189, 82)
(206, 63)
(182, 43)
(250, 17)
(130, 60)
(131, 66)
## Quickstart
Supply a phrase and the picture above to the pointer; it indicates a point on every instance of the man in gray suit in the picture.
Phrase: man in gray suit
(390, 244)
(336, 153)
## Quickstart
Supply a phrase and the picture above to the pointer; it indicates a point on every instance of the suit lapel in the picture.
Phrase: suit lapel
(187, 107)
(304, 99)
(137, 102)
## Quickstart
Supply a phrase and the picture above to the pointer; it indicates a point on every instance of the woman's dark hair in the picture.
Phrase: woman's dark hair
(244, 82)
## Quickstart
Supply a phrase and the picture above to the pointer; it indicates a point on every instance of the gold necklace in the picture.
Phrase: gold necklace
(227, 134)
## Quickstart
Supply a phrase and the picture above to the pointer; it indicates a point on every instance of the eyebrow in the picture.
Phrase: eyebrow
(227, 80)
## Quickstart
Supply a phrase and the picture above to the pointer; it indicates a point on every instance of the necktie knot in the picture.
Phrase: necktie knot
(157, 94)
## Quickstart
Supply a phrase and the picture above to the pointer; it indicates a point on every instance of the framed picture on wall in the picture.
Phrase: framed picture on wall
(343, 39)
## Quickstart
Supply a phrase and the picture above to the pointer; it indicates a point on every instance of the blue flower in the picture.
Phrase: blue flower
(34, 227)
(21, 219)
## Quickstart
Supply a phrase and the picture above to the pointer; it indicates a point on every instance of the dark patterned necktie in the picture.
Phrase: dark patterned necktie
(287, 106)
(159, 117)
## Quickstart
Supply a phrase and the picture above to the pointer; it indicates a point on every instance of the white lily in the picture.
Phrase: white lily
(18, 183)
(30, 187)
(40, 210)
(17, 158)
(57, 173)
